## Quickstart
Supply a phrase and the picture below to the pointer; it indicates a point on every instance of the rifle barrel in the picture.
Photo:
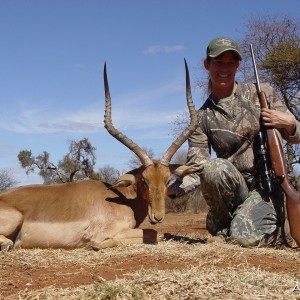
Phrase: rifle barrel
(255, 70)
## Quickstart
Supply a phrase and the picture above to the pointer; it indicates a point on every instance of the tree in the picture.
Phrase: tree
(7, 180)
(180, 123)
(134, 161)
(180, 157)
(109, 174)
(276, 44)
(77, 164)
(283, 67)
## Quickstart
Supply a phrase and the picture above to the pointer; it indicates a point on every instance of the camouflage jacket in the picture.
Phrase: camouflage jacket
(228, 128)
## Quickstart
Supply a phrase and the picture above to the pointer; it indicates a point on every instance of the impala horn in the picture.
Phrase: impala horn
(194, 120)
(144, 158)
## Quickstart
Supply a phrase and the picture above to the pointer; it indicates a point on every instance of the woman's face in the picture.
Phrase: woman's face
(222, 71)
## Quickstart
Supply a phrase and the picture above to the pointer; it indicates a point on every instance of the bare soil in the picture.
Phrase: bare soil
(27, 269)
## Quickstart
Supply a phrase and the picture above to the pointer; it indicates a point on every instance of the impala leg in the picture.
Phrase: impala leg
(5, 243)
(10, 222)
(137, 236)
(129, 236)
(107, 243)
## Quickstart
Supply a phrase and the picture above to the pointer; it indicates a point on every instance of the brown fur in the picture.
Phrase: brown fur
(84, 214)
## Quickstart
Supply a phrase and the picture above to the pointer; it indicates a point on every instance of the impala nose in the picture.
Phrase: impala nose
(156, 219)
(159, 218)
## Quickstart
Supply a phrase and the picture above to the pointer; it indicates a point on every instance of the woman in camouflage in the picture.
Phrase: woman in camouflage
(239, 208)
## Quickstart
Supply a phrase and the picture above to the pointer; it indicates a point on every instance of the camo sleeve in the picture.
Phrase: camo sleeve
(294, 139)
(199, 149)
(198, 154)
(277, 103)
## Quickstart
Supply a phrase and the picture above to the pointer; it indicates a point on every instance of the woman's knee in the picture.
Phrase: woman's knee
(253, 237)
(254, 223)
(243, 232)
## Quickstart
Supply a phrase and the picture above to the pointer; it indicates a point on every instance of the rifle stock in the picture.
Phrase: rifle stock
(279, 167)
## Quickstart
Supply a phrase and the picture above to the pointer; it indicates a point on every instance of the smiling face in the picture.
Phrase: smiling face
(222, 71)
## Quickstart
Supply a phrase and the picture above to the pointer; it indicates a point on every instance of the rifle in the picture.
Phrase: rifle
(279, 170)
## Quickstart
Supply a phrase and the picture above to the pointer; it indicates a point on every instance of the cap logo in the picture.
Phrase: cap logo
(224, 42)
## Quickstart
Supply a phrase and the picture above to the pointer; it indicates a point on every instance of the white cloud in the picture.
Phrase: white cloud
(39, 120)
(142, 110)
(125, 116)
(152, 50)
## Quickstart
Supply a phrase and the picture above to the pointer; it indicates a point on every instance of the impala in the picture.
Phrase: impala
(91, 213)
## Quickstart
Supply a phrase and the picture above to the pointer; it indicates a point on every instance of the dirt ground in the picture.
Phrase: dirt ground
(19, 271)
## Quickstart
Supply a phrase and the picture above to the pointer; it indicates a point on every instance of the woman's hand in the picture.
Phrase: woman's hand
(279, 119)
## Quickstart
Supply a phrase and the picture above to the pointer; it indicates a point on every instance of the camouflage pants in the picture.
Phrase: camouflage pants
(236, 213)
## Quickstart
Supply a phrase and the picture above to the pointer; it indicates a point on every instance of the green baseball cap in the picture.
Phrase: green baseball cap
(220, 45)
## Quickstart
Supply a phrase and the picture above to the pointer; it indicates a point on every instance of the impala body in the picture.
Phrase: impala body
(91, 213)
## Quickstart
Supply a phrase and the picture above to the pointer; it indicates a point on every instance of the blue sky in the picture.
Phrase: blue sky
(51, 70)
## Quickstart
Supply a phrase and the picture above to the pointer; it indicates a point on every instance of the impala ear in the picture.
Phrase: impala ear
(183, 171)
(124, 181)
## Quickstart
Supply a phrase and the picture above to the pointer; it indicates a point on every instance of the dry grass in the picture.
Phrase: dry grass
(205, 271)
